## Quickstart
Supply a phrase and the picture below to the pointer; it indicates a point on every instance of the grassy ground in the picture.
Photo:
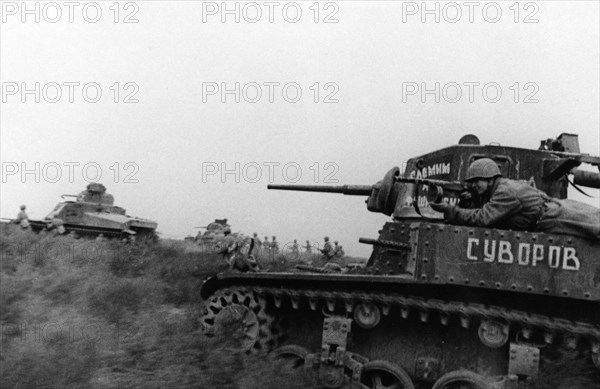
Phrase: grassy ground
(87, 314)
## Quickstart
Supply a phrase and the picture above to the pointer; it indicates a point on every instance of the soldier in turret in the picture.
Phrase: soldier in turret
(510, 204)
(22, 218)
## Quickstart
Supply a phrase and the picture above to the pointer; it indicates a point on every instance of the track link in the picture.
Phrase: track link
(551, 326)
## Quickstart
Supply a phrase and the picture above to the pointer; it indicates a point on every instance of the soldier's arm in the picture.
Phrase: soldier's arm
(504, 203)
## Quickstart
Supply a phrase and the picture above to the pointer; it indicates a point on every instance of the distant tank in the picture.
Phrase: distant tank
(213, 233)
(93, 214)
(437, 306)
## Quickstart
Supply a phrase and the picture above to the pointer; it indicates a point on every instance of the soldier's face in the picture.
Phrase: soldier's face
(480, 186)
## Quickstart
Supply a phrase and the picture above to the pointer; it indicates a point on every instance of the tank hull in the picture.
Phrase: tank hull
(449, 299)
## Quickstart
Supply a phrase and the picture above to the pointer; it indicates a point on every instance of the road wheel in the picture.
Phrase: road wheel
(385, 375)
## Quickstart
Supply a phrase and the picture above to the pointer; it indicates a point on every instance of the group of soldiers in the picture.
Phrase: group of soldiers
(330, 252)
(22, 220)
(271, 247)
(241, 253)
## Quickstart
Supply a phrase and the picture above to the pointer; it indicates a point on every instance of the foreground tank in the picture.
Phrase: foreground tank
(93, 214)
(437, 306)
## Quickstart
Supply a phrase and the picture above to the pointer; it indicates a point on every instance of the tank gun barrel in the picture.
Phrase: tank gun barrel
(586, 178)
(67, 195)
(385, 243)
(350, 190)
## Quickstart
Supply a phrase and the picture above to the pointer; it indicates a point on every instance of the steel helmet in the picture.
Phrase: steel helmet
(23, 206)
(483, 168)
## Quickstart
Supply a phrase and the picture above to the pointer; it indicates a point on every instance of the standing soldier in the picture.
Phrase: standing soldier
(295, 248)
(275, 245)
(22, 218)
(308, 247)
(257, 241)
(327, 250)
(339, 253)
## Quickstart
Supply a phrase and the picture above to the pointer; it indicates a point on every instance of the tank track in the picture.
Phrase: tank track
(571, 331)
(84, 231)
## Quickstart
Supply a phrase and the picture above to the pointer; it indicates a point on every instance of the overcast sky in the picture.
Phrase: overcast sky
(332, 88)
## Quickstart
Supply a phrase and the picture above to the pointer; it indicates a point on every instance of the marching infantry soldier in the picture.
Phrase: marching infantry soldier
(509, 204)
(295, 248)
(22, 218)
(338, 250)
(327, 250)
(308, 247)
(257, 241)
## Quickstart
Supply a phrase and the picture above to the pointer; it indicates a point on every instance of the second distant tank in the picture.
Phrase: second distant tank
(213, 233)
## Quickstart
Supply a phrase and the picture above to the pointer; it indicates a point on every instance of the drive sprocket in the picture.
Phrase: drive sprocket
(242, 314)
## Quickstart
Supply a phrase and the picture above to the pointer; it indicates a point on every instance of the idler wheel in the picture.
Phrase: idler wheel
(461, 379)
(493, 334)
(367, 315)
(385, 375)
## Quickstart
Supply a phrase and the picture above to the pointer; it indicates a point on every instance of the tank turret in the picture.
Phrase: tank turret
(213, 233)
(439, 175)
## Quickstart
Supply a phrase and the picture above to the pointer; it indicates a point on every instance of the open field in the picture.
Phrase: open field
(87, 314)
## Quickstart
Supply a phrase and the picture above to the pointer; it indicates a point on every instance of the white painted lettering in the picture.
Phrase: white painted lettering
(554, 257)
(470, 243)
(523, 254)
(488, 256)
(570, 260)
